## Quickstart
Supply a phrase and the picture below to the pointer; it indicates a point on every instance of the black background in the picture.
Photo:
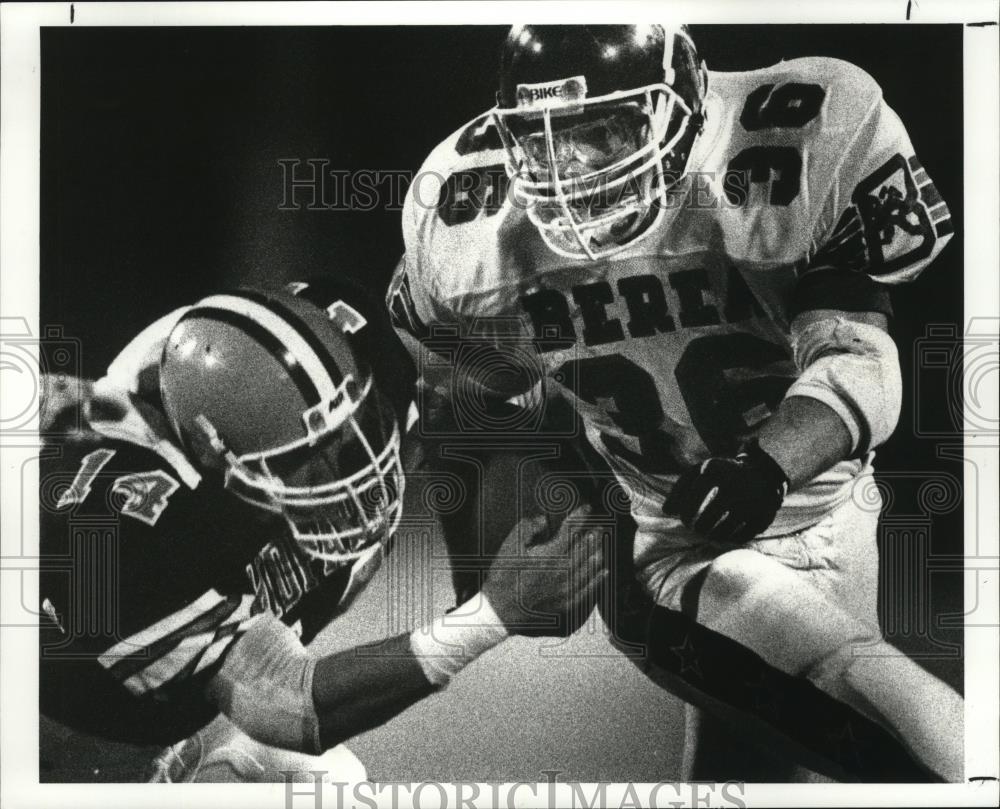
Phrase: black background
(160, 178)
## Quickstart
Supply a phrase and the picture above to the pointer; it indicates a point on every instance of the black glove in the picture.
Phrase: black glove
(729, 500)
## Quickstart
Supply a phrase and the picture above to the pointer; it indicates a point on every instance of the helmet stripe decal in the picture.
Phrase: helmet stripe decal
(670, 35)
(307, 334)
(295, 344)
(267, 341)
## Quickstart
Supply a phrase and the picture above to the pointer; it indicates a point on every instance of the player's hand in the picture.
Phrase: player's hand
(64, 401)
(729, 500)
(545, 579)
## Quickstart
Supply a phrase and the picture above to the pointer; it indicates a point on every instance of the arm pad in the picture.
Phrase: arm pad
(265, 687)
(853, 368)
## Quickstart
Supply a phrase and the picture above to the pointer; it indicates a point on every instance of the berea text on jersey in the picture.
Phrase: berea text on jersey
(646, 302)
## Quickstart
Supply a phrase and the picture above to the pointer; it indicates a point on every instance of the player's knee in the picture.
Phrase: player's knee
(773, 610)
(735, 576)
(744, 594)
(832, 672)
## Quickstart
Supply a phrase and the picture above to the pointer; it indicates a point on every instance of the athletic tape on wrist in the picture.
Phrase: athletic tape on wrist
(448, 644)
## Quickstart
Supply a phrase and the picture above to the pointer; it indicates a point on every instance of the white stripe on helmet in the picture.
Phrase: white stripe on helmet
(298, 348)
(669, 39)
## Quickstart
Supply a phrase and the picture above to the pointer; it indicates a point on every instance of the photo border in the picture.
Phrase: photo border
(20, 83)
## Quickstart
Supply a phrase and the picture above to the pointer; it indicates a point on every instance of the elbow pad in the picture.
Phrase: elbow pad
(265, 687)
(853, 368)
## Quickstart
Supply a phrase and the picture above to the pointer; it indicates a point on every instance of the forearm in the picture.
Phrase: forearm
(364, 687)
(846, 400)
(361, 688)
(805, 437)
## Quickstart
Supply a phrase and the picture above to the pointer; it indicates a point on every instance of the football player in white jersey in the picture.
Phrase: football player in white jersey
(700, 263)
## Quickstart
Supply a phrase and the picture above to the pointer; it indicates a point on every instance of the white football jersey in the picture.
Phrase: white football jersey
(803, 192)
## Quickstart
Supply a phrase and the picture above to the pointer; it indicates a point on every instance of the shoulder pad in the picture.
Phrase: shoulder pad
(476, 143)
(848, 94)
(851, 92)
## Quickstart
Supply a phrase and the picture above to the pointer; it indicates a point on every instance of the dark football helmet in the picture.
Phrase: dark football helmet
(268, 388)
(598, 122)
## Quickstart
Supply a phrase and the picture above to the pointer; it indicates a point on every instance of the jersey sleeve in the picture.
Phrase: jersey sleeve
(418, 311)
(185, 647)
(490, 360)
(412, 299)
(462, 182)
(444, 299)
(882, 221)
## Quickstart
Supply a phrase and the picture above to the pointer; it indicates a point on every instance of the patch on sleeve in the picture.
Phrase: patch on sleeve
(890, 228)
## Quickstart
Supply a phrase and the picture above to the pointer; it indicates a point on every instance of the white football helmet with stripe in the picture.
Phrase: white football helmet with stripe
(269, 389)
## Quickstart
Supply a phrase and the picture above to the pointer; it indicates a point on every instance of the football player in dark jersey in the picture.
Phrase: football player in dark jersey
(239, 495)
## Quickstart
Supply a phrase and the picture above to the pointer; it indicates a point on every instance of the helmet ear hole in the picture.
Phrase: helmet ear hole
(315, 421)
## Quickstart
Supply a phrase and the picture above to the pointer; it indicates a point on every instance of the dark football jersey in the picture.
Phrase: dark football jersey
(143, 582)
(150, 568)
(148, 574)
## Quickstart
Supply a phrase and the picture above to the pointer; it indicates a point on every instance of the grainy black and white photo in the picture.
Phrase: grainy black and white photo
(438, 405)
